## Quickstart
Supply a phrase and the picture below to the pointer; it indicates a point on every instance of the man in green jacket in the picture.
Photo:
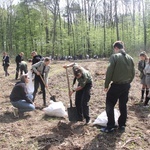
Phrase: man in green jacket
(121, 73)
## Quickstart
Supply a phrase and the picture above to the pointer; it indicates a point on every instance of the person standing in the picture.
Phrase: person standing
(147, 81)
(20, 99)
(141, 66)
(83, 91)
(121, 73)
(5, 64)
(35, 57)
(41, 70)
(18, 60)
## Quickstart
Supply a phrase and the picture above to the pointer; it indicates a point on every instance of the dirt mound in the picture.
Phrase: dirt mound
(35, 131)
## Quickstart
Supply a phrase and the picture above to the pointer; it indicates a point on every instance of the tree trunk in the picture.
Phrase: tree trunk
(116, 20)
(144, 25)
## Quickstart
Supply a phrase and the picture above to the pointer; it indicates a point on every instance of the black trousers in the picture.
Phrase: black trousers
(17, 71)
(117, 91)
(6, 69)
(82, 98)
(38, 81)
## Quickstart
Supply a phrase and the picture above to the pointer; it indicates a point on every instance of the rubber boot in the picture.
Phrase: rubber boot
(147, 92)
(16, 75)
(142, 94)
(146, 101)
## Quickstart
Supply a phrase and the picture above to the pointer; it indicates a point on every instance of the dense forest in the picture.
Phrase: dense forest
(80, 27)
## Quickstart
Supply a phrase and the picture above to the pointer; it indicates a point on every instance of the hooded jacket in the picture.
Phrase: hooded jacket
(19, 92)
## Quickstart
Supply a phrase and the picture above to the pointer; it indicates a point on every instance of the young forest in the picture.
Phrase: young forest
(73, 27)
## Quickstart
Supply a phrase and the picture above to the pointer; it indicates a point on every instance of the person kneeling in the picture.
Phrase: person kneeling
(20, 99)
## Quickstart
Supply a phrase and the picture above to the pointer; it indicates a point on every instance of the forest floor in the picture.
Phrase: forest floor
(35, 131)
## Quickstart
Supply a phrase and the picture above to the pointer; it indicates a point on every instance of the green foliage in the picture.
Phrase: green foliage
(41, 26)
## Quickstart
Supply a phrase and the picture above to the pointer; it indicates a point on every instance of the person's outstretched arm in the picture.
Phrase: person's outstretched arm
(69, 65)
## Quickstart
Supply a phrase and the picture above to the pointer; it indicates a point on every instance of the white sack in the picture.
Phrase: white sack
(30, 84)
(102, 118)
(56, 109)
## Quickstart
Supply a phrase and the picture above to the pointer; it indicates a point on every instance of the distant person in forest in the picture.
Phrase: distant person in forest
(5, 63)
(83, 91)
(141, 66)
(120, 74)
(147, 81)
(18, 60)
(20, 99)
(35, 57)
(23, 68)
(41, 70)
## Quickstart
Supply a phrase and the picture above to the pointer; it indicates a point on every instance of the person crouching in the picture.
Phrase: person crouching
(20, 99)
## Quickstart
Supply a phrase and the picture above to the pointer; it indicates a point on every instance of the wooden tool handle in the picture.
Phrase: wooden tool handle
(68, 87)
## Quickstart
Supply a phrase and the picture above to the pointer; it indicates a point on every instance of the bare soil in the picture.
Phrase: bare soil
(35, 131)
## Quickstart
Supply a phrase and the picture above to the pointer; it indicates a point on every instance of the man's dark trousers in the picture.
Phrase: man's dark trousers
(82, 98)
(37, 81)
(17, 70)
(117, 91)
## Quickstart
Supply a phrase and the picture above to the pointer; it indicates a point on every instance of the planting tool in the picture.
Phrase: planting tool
(52, 96)
(72, 111)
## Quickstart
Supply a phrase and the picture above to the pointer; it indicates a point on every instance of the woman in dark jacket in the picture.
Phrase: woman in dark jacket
(141, 66)
(5, 64)
(20, 98)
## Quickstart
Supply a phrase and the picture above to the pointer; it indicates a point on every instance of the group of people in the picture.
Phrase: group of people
(144, 68)
(20, 64)
(120, 73)
(20, 97)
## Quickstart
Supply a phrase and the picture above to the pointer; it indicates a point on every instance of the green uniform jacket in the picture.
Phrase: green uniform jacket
(85, 78)
(120, 70)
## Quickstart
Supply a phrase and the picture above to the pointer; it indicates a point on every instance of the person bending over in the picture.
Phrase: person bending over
(41, 70)
(23, 68)
(83, 91)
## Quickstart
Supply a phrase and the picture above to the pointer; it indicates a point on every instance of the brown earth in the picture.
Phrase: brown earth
(35, 131)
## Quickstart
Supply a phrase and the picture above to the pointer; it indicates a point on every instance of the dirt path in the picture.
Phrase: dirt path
(36, 131)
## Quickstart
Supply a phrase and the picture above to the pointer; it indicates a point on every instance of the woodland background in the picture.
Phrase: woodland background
(78, 28)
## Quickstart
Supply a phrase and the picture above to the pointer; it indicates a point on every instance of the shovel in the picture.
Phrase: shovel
(52, 96)
(72, 111)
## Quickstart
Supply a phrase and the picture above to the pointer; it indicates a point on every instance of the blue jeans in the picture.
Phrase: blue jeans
(24, 106)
